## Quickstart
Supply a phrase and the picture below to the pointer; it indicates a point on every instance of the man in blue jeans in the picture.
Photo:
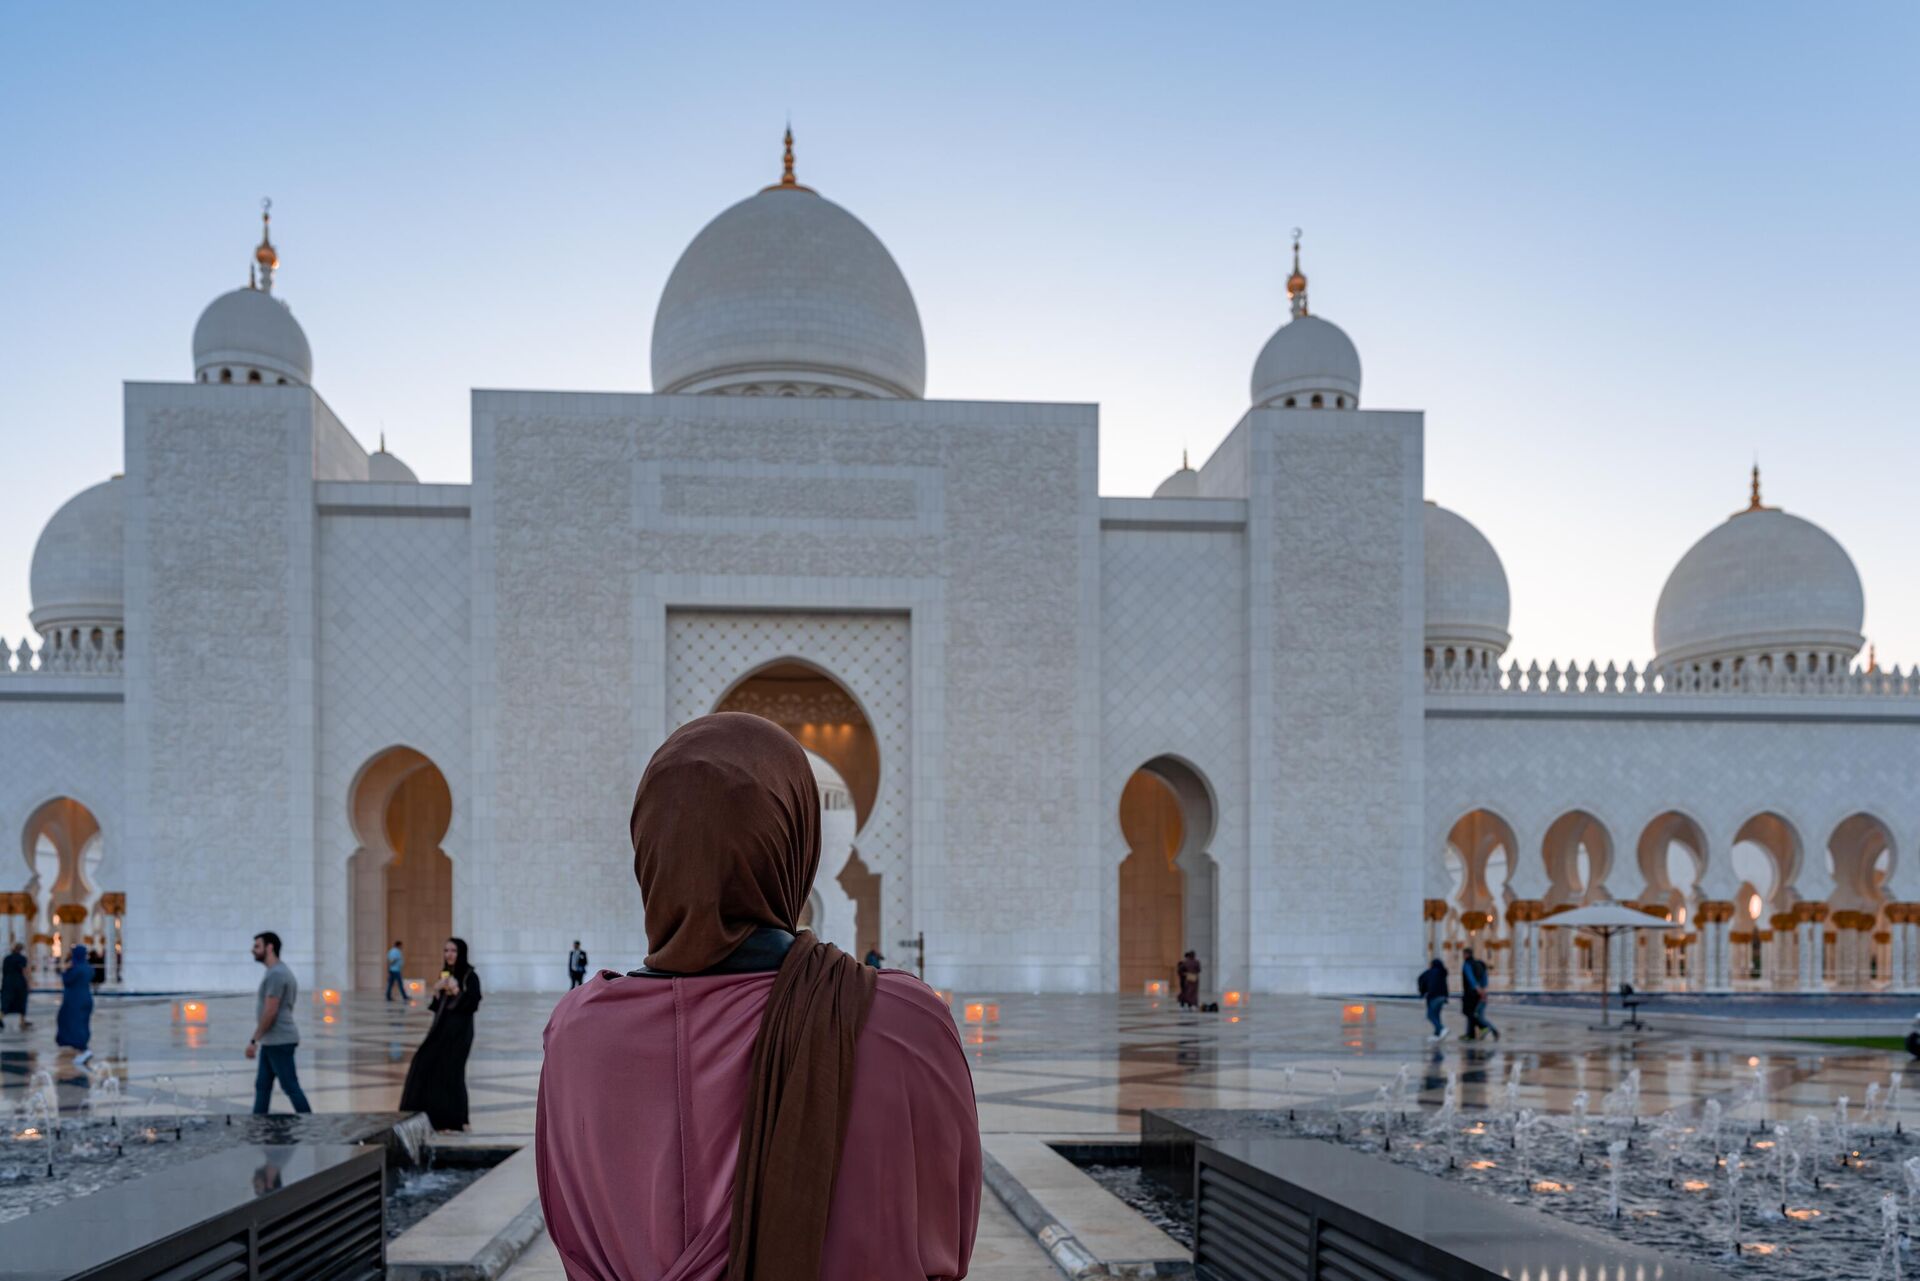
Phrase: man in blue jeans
(1433, 986)
(396, 960)
(275, 1035)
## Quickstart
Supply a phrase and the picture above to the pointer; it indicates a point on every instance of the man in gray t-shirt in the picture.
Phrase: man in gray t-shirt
(275, 1035)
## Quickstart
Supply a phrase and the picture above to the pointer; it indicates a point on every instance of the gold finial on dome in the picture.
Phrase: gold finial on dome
(787, 181)
(266, 255)
(1753, 501)
(1297, 282)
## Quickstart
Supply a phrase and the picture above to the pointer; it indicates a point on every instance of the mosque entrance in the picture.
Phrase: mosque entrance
(1167, 880)
(400, 879)
(63, 902)
(829, 722)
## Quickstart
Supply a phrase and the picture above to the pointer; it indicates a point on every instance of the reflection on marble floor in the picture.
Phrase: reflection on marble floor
(1050, 1065)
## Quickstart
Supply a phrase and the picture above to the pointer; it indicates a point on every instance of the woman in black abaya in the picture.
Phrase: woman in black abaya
(437, 1080)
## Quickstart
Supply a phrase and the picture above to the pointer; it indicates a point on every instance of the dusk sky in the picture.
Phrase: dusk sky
(1615, 253)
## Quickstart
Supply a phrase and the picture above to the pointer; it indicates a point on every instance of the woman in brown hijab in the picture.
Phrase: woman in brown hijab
(753, 1103)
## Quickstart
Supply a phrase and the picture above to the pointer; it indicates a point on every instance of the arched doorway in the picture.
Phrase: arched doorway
(1482, 847)
(830, 723)
(1768, 855)
(1578, 852)
(62, 845)
(401, 880)
(1672, 856)
(1168, 879)
(1861, 848)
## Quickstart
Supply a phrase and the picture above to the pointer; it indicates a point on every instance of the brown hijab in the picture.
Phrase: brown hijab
(726, 838)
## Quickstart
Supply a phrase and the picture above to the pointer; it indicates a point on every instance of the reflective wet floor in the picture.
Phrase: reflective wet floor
(1042, 1065)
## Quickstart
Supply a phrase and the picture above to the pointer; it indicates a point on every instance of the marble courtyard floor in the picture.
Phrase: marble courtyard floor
(1051, 1067)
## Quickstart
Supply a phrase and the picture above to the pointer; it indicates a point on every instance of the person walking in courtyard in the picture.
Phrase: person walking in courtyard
(576, 966)
(275, 1035)
(1473, 997)
(815, 1117)
(1189, 972)
(396, 963)
(14, 987)
(873, 958)
(74, 1026)
(1433, 986)
(437, 1077)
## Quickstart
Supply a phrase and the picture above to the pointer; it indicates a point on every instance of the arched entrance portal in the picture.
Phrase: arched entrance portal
(400, 878)
(62, 846)
(1167, 880)
(830, 723)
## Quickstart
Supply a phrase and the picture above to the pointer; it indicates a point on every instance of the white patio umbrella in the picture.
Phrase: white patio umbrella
(1606, 920)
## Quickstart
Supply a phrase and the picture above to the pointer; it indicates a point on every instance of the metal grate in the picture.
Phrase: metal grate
(338, 1235)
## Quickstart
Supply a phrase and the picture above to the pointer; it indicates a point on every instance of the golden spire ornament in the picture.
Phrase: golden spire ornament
(787, 181)
(266, 255)
(1297, 282)
(1753, 495)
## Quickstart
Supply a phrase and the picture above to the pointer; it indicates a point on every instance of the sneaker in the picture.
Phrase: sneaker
(1444, 1034)
(82, 1057)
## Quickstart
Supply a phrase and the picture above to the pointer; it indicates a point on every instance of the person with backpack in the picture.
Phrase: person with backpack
(1433, 986)
(1473, 997)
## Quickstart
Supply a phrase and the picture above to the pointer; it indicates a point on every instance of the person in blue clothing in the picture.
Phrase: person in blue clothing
(74, 1026)
(396, 961)
(1433, 986)
(1473, 997)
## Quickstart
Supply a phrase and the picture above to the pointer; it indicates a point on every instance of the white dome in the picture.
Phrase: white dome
(1761, 583)
(787, 293)
(1307, 356)
(1184, 483)
(246, 331)
(1467, 602)
(78, 564)
(383, 466)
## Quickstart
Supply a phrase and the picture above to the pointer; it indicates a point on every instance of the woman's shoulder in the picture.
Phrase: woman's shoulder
(899, 997)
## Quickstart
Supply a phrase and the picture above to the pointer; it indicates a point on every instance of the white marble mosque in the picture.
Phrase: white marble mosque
(281, 683)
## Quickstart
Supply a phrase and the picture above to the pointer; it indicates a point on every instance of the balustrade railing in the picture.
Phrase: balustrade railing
(1613, 680)
(85, 659)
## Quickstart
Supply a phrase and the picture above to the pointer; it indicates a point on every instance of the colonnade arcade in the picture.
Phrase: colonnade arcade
(63, 901)
(1770, 910)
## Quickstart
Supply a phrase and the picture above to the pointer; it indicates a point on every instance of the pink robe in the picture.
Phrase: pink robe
(641, 1096)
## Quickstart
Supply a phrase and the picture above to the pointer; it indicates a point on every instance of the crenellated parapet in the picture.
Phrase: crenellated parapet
(1463, 678)
(88, 658)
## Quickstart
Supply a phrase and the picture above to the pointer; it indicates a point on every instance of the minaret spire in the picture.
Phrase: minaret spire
(1297, 282)
(266, 255)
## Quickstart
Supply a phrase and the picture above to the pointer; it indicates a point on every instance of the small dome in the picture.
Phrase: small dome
(79, 562)
(383, 466)
(1467, 602)
(247, 331)
(786, 293)
(1184, 483)
(1306, 357)
(1763, 582)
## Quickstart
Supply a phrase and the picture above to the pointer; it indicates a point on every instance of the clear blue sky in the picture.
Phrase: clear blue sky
(1614, 251)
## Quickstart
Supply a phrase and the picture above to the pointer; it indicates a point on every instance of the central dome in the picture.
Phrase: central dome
(786, 293)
